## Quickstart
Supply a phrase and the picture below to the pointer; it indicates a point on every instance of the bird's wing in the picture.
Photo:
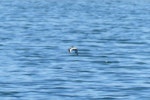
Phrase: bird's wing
(76, 51)
(69, 50)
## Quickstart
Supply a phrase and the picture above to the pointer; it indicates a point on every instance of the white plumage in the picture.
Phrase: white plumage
(73, 49)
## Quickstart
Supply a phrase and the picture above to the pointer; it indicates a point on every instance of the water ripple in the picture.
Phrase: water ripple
(113, 42)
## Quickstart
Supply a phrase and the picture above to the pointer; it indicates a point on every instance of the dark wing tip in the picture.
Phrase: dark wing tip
(76, 51)
(69, 50)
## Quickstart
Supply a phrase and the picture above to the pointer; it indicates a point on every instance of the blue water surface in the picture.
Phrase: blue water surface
(112, 36)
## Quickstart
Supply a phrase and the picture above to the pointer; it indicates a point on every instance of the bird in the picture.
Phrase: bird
(72, 48)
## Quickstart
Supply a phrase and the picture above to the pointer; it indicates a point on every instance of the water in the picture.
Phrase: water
(113, 38)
